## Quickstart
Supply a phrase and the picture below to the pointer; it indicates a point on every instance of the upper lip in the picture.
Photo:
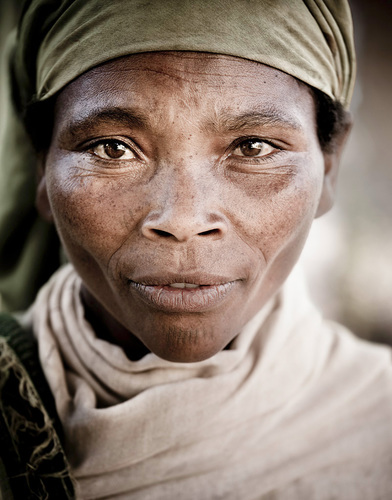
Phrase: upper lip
(201, 279)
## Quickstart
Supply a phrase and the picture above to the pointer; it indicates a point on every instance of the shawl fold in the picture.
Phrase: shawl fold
(296, 406)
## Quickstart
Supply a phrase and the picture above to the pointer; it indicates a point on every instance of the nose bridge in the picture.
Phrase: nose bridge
(187, 204)
(190, 189)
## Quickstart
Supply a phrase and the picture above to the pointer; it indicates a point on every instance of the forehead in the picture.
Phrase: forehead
(162, 83)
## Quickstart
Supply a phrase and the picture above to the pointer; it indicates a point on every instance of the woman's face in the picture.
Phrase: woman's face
(183, 186)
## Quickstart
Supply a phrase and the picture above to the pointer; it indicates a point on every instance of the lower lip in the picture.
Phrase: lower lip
(171, 299)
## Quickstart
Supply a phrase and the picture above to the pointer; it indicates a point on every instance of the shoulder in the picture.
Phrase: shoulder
(340, 424)
(361, 364)
(353, 400)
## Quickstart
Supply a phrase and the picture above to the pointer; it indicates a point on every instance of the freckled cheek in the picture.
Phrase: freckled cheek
(277, 209)
(94, 215)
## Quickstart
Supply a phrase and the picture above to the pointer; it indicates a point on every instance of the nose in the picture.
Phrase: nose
(182, 228)
(184, 210)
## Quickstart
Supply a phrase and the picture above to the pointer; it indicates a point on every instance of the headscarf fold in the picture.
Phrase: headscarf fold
(308, 39)
(58, 40)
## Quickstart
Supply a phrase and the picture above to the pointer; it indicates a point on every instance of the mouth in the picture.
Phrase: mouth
(183, 294)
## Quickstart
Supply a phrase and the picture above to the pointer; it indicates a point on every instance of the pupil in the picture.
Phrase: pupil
(114, 149)
(251, 148)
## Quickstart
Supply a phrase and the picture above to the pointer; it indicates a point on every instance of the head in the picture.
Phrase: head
(183, 185)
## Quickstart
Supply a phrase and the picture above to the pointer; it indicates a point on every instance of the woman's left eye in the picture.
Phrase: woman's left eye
(253, 148)
(112, 150)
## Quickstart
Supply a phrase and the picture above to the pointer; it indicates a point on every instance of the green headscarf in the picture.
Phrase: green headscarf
(57, 41)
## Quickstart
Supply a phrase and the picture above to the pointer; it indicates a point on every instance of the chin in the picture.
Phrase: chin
(188, 345)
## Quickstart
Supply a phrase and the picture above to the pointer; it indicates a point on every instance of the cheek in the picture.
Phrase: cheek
(274, 209)
(92, 214)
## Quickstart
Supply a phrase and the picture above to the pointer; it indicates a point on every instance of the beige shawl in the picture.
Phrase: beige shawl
(296, 409)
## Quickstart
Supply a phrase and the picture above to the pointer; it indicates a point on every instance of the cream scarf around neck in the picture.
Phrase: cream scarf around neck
(287, 409)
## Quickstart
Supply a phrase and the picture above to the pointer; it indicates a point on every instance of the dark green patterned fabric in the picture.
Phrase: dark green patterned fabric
(32, 461)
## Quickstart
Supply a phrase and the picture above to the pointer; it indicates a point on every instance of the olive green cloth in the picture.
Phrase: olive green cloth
(59, 40)
(311, 39)
(29, 248)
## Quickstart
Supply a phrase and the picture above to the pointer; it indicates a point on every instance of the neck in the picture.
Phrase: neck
(106, 327)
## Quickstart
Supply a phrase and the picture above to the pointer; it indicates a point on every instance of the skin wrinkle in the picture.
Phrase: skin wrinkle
(189, 75)
(211, 75)
(188, 205)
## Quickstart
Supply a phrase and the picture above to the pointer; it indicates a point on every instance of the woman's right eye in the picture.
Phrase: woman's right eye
(112, 150)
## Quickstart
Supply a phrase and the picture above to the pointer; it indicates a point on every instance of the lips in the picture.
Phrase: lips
(183, 294)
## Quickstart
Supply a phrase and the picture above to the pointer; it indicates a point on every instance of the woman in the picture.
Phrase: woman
(183, 152)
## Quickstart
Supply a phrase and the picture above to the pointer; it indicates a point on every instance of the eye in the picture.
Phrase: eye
(112, 150)
(253, 148)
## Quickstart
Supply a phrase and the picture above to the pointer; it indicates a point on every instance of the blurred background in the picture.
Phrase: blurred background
(348, 257)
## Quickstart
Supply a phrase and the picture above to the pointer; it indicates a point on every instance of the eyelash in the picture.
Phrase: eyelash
(134, 149)
(253, 159)
(88, 148)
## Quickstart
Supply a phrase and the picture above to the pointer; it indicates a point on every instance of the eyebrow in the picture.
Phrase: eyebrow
(126, 117)
(221, 123)
(269, 117)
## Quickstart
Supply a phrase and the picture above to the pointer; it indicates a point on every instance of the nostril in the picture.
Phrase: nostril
(183, 229)
(164, 234)
(209, 232)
